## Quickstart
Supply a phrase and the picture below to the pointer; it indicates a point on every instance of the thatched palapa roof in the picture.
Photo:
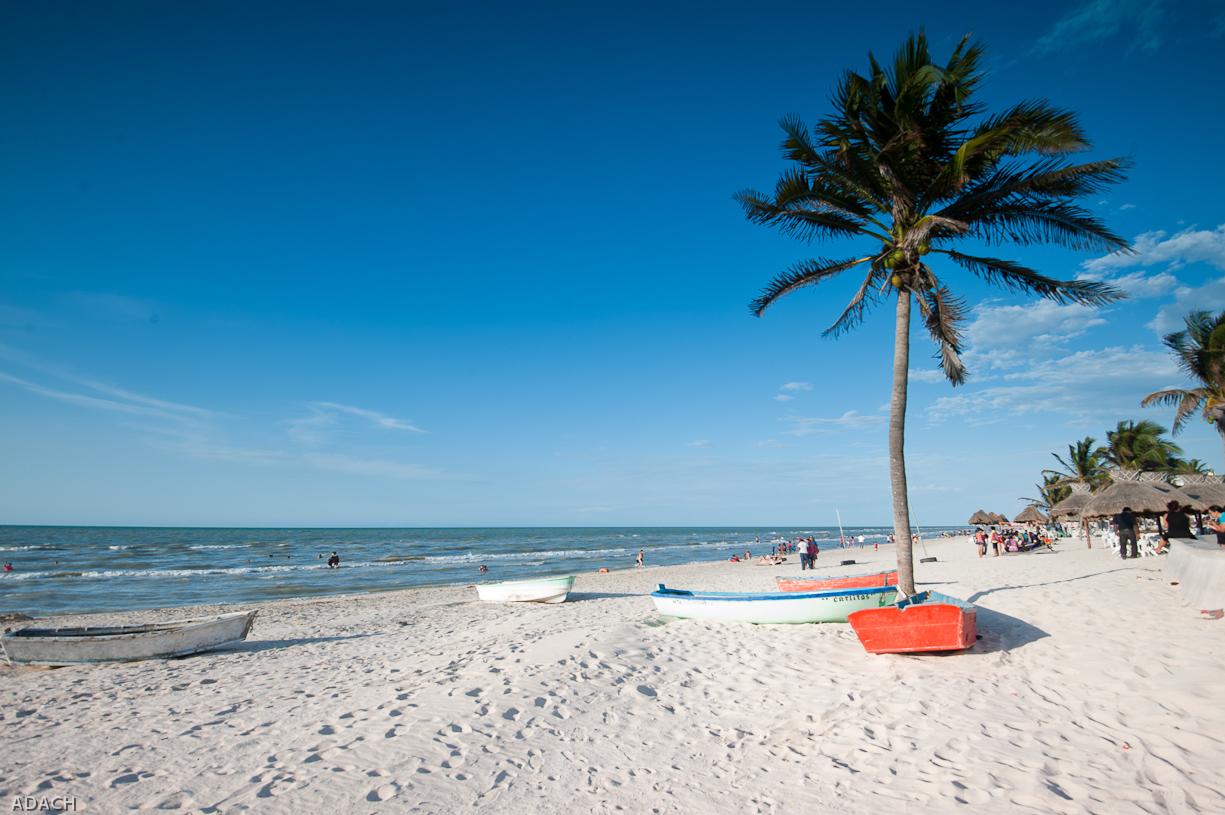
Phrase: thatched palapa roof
(1030, 515)
(980, 517)
(1071, 506)
(1144, 499)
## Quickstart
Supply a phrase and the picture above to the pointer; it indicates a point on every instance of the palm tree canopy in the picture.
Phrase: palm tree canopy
(1140, 446)
(1200, 351)
(1084, 463)
(908, 160)
(1051, 491)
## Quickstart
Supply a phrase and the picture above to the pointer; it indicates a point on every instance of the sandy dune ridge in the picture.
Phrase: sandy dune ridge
(1093, 689)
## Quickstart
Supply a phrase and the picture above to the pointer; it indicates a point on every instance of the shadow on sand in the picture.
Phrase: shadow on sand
(580, 596)
(1003, 632)
(974, 598)
(254, 646)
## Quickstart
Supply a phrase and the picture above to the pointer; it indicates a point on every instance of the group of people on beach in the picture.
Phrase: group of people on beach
(1176, 523)
(1010, 539)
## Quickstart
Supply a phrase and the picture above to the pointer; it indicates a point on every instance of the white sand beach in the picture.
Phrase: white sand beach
(1093, 689)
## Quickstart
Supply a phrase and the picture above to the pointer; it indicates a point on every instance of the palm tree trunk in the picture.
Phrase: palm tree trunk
(897, 445)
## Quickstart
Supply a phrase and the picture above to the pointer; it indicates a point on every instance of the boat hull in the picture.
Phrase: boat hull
(126, 643)
(540, 590)
(770, 608)
(848, 581)
(923, 623)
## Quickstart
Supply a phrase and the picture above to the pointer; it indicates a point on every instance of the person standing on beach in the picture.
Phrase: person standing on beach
(811, 550)
(1177, 525)
(1125, 525)
(638, 561)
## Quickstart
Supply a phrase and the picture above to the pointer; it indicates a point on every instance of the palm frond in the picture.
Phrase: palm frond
(799, 275)
(854, 312)
(1016, 277)
(943, 315)
(797, 218)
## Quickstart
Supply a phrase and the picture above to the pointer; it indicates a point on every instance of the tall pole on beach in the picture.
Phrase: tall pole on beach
(841, 537)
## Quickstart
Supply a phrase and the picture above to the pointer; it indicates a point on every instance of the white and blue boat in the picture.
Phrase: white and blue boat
(770, 607)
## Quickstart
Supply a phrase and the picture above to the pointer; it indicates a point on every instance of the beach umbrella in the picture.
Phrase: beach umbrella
(1071, 506)
(1185, 496)
(1207, 493)
(997, 518)
(1144, 499)
(980, 517)
(1030, 515)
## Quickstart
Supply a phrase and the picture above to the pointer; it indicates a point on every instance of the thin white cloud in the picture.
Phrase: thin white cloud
(126, 401)
(1160, 248)
(313, 428)
(379, 419)
(699, 443)
(113, 306)
(783, 397)
(367, 466)
(809, 425)
(926, 375)
(122, 395)
(1099, 20)
(1127, 207)
(796, 386)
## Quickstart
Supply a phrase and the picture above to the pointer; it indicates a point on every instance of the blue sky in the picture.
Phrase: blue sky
(377, 265)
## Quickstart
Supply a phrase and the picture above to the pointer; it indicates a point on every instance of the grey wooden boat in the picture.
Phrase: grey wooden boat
(124, 643)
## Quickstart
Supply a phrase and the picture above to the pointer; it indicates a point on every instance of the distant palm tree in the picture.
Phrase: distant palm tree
(1051, 491)
(908, 160)
(1191, 466)
(1083, 464)
(1200, 351)
(1140, 446)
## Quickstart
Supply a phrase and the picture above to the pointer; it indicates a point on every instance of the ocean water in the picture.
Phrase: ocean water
(61, 570)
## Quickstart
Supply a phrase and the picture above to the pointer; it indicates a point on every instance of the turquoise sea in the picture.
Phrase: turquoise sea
(59, 570)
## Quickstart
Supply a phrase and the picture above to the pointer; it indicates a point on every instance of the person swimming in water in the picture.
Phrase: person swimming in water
(8, 567)
(334, 561)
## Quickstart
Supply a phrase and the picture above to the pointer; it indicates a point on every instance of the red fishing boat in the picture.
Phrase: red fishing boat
(829, 583)
(928, 621)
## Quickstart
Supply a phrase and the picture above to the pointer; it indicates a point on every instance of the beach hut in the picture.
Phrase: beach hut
(1030, 515)
(998, 518)
(980, 517)
(1144, 499)
(1073, 505)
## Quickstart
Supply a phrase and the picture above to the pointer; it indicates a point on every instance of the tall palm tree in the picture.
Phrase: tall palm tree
(1200, 351)
(908, 161)
(1140, 446)
(1083, 464)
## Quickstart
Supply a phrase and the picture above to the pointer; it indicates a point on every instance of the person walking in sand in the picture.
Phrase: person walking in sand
(811, 550)
(1125, 524)
(638, 561)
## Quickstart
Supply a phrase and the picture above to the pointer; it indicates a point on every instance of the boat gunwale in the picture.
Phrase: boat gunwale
(838, 576)
(556, 579)
(740, 597)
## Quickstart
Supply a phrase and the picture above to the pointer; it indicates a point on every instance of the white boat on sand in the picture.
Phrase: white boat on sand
(770, 607)
(535, 590)
(125, 643)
